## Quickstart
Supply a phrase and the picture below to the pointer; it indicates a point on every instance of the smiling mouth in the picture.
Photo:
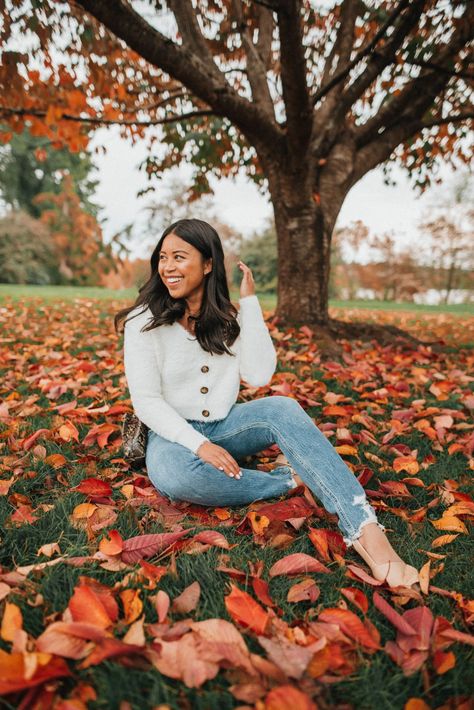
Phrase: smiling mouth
(173, 283)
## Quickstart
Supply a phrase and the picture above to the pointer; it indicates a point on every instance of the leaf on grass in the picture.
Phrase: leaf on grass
(12, 621)
(162, 605)
(14, 673)
(187, 600)
(291, 658)
(450, 522)
(287, 697)
(94, 487)
(132, 604)
(136, 548)
(211, 537)
(443, 540)
(306, 590)
(443, 662)
(69, 639)
(261, 590)
(357, 597)
(86, 606)
(393, 616)
(297, 563)
(245, 610)
(351, 625)
(112, 544)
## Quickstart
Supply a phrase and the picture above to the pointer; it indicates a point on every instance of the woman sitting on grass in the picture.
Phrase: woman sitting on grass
(186, 349)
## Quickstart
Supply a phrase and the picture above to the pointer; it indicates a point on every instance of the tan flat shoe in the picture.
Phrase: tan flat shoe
(395, 573)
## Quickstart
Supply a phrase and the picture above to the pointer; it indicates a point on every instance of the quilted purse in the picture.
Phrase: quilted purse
(134, 439)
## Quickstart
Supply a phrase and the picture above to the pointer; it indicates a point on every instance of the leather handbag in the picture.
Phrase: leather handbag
(134, 440)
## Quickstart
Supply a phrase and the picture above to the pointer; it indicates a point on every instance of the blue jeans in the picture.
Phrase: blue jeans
(250, 427)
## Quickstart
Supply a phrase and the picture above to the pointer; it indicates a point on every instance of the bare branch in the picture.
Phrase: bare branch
(189, 28)
(256, 71)
(98, 120)
(293, 78)
(455, 118)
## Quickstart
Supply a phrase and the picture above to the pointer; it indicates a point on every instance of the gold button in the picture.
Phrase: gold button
(204, 390)
(205, 413)
(204, 368)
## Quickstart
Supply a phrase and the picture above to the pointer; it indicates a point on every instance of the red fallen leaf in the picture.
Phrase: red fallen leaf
(140, 546)
(393, 616)
(105, 595)
(152, 572)
(287, 697)
(460, 636)
(306, 590)
(297, 507)
(28, 442)
(421, 619)
(245, 610)
(320, 541)
(297, 563)
(351, 625)
(188, 599)
(86, 606)
(395, 488)
(13, 674)
(184, 659)
(110, 648)
(357, 597)
(359, 573)
(211, 537)
(260, 587)
(93, 487)
(224, 642)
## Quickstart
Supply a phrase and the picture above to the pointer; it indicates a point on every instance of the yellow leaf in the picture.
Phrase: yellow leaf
(12, 620)
(450, 522)
(424, 577)
(83, 510)
(443, 540)
(346, 450)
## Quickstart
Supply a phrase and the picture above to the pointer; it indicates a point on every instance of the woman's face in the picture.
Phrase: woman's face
(183, 262)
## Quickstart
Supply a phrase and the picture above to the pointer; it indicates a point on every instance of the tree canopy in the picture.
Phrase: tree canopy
(305, 100)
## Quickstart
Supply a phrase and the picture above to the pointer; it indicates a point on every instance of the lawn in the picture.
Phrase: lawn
(204, 619)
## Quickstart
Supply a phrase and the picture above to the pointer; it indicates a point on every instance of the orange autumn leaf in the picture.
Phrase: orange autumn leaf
(14, 675)
(406, 463)
(245, 610)
(287, 697)
(55, 460)
(346, 450)
(112, 544)
(132, 604)
(86, 606)
(449, 522)
(416, 704)
(12, 621)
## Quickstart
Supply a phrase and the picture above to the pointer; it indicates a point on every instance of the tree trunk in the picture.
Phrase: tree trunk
(304, 250)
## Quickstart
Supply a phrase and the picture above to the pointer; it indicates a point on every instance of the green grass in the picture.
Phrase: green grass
(268, 301)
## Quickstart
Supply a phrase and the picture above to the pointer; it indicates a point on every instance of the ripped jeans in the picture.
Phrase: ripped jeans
(248, 428)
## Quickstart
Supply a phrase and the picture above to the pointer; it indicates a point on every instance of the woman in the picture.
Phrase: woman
(186, 349)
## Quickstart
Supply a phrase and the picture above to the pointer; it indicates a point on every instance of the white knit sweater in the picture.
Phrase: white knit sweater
(171, 378)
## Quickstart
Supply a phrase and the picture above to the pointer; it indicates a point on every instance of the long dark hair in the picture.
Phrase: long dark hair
(216, 326)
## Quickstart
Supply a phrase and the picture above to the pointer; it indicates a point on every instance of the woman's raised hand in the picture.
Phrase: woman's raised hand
(247, 287)
(220, 458)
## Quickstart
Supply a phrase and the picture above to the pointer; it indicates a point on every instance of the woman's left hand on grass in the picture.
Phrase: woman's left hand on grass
(247, 287)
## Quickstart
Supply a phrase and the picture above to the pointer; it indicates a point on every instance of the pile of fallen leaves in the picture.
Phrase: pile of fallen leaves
(284, 614)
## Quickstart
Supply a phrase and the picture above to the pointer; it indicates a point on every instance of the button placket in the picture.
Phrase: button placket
(205, 390)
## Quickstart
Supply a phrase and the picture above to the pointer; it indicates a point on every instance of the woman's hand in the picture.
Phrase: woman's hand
(220, 458)
(247, 287)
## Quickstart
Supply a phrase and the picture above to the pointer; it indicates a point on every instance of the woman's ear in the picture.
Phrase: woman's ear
(208, 266)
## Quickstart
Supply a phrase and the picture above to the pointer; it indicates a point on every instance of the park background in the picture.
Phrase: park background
(330, 144)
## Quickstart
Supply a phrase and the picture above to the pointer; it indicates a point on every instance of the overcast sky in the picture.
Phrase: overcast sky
(238, 203)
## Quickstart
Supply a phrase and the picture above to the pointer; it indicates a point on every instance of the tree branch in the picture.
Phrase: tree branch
(202, 78)
(448, 119)
(256, 71)
(392, 111)
(7, 111)
(293, 77)
(343, 73)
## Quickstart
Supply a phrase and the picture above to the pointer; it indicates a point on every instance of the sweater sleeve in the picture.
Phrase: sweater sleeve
(258, 356)
(144, 383)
